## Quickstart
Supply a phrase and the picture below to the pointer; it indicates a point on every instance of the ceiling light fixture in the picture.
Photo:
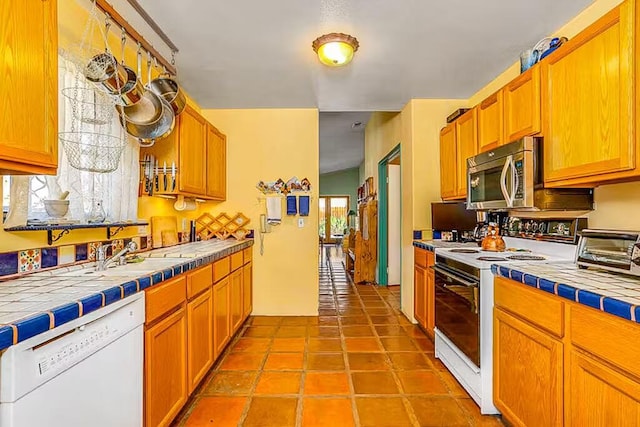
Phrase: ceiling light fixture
(335, 49)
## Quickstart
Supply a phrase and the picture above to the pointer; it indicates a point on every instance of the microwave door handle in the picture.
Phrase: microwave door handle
(516, 182)
(503, 182)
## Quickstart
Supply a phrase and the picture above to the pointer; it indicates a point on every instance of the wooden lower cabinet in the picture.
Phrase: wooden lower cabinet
(221, 315)
(431, 302)
(165, 365)
(600, 395)
(420, 295)
(527, 373)
(199, 337)
(235, 282)
(247, 289)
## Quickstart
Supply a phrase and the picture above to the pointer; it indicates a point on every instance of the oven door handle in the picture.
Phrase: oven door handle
(503, 181)
(456, 278)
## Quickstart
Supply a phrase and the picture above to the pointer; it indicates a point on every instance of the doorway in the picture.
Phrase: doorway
(390, 219)
(333, 218)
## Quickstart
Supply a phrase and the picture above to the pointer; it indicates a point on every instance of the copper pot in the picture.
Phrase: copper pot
(493, 240)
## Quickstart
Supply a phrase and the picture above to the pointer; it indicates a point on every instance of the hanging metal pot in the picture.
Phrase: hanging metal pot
(168, 89)
(133, 89)
(147, 110)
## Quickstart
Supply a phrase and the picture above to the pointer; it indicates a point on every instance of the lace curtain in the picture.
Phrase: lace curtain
(117, 190)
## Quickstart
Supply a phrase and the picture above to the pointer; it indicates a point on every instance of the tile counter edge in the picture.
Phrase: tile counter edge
(607, 304)
(28, 327)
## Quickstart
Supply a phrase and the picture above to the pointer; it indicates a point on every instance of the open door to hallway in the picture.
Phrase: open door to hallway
(390, 214)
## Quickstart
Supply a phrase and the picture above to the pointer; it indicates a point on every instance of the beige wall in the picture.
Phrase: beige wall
(264, 145)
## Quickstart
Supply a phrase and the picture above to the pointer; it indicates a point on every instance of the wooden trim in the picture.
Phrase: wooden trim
(136, 36)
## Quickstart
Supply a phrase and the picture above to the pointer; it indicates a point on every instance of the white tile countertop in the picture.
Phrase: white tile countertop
(432, 245)
(37, 302)
(614, 293)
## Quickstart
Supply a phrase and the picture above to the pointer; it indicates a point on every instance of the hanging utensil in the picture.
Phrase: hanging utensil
(147, 111)
(133, 89)
(164, 175)
(173, 176)
(169, 90)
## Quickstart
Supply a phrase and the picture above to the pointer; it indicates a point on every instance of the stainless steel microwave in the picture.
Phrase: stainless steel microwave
(510, 177)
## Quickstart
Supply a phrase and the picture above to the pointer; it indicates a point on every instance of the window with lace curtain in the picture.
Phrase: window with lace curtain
(116, 191)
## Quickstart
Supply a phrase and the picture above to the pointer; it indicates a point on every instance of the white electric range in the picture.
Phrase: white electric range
(464, 308)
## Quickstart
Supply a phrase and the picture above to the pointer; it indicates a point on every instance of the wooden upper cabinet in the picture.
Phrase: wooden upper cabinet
(216, 164)
(448, 165)
(467, 146)
(522, 107)
(490, 123)
(193, 152)
(588, 99)
(29, 91)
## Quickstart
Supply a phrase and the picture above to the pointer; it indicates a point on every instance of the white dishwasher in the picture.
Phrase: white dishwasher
(87, 372)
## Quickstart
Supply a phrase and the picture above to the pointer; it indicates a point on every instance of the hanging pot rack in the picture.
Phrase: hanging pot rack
(113, 14)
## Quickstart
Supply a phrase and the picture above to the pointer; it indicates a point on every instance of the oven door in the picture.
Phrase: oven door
(457, 301)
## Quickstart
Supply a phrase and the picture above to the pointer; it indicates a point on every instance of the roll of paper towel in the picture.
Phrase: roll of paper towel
(183, 204)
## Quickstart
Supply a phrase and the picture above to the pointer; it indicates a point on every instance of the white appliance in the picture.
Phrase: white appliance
(87, 372)
(464, 309)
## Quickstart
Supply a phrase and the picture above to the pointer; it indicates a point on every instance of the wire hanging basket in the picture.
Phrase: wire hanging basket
(89, 105)
(92, 151)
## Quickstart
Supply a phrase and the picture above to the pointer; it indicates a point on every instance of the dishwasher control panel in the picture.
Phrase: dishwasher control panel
(84, 341)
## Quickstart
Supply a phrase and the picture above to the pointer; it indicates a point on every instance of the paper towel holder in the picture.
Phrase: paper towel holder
(185, 204)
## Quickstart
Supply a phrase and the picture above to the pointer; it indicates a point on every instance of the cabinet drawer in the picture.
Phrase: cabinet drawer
(236, 261)
(199, 280)
(602, 334)
(544, 311)
(420, 257)
(161, 299)
(221, 269)
(247, 255)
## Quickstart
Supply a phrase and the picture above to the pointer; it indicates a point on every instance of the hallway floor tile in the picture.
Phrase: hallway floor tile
(359, 363)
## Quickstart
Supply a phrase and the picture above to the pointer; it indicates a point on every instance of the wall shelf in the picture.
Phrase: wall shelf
(112, 228)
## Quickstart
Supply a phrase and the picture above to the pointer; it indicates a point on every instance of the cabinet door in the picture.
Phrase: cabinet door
(221, 315)
(193, 153)
(601, 396)
(588, 101)
(29, 91)
(419, 295)
(199, 337)
(236, 300)
(165, 368)
(431, 303)
(522, 108)
(527, 373)
(467, 146)
(247, 290)
(448, 165)
(216, 164)
(490, 123)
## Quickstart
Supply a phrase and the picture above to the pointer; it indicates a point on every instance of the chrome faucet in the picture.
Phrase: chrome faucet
(101, 255)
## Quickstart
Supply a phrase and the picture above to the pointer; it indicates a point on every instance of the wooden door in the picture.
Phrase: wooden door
(216, 164)
(588, 92)
(467, 146)
(431, 302)
(221, 315)
(247, 290)
(448, 162)
(419, 295)
(600, 395)
(522, 107)
(199, 337)
(165, 369)
(192, 171)
(490, 123)
(29, 91)
(527, 373)
(237, 302)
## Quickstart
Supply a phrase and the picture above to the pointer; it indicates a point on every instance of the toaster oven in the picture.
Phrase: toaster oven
(612, 250)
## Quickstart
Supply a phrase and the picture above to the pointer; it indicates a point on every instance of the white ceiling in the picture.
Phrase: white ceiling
(341, 144)
(257, 54)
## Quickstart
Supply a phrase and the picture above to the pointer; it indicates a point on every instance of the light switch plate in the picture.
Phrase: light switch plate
(300, 222)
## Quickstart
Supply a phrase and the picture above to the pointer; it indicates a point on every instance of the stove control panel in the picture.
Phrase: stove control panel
(556, 230)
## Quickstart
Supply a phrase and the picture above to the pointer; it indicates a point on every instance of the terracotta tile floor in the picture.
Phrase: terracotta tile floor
(359, 363)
